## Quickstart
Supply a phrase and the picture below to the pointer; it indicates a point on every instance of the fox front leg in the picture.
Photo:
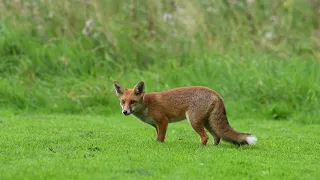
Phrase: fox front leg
(162, 129)
(157, 132)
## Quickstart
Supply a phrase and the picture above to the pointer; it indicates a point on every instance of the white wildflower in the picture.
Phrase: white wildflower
(212, 10)
(167, 17)
(87, 30)
(235, 2)
(274, 19)
(268, 35)
(250, 1)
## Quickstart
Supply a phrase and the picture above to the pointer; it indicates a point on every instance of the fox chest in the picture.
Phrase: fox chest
(144, 117)
(147, 119)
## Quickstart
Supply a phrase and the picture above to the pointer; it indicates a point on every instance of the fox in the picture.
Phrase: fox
(203, 108)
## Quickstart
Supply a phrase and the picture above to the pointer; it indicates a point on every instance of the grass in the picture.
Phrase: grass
(269, 86)
(118, 147)
(261, 56)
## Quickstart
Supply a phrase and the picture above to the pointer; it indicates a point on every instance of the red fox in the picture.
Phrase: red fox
(202, 107)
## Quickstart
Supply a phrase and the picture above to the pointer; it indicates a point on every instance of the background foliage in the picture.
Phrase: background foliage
(62, 56)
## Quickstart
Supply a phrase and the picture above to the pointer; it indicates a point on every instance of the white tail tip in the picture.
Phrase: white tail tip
(251, 139)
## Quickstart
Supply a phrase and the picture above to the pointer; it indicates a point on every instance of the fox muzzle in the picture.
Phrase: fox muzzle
(127, 112)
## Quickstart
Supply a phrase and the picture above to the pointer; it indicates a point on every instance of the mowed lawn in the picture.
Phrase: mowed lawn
(118, 147)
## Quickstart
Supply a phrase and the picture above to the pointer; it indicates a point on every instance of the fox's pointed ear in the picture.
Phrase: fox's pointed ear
(139, 88)
(119, 89)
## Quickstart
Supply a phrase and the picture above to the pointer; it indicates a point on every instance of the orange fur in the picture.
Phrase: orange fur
(203, 107)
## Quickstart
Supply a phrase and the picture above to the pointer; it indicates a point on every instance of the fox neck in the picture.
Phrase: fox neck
(140, 108)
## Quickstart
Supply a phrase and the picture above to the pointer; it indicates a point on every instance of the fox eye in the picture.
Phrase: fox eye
(123, 101)
(132, 101)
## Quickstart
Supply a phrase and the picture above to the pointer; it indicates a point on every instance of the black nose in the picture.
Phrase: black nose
(125, 112)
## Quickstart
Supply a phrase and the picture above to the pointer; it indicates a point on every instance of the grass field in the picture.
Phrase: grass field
(60, 118)
(118, 147)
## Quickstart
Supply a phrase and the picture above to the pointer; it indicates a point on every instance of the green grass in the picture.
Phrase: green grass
(261, 56)
(118, 147)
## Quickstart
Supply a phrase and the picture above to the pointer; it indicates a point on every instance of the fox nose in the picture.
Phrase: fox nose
(125, 112)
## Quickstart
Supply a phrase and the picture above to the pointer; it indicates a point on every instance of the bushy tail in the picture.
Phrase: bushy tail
(230, 135)
(220, 127)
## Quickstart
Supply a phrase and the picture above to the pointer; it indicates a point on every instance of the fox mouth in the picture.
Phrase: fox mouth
(127, 113)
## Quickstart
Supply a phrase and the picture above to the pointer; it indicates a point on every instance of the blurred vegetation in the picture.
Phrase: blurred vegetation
(61, 56)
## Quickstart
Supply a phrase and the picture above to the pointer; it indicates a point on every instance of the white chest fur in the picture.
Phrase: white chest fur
(143, 116)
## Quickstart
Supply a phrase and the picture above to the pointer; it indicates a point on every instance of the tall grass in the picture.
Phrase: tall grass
(143, 31)
(261, 56)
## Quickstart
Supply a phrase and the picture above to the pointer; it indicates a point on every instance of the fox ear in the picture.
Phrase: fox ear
(119, 89)
(139, 88)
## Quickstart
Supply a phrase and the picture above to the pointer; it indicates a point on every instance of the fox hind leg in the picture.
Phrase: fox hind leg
(216, 140)
(197, 125)
(215, 136)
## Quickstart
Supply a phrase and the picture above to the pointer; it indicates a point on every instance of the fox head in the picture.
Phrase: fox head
(130, 99)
